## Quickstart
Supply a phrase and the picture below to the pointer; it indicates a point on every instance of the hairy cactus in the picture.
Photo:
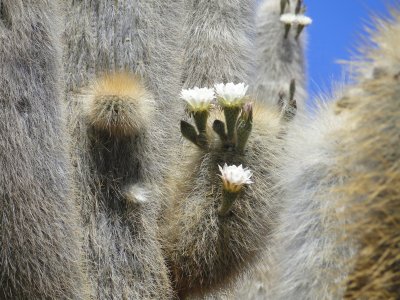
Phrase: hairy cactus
(370, 196)
(215, 228)
(119, 123)
(40, 253)
(104, 200)
(279, 50)
(336, 237)
(212, 232)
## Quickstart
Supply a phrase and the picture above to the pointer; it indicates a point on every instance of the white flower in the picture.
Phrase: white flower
(288, 18)
(198, 99)
(293, 19)
(235, 177)
(303, 20)
(231, 94)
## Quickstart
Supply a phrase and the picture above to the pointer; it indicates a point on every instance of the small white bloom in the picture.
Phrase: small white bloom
(288, 18)
(235, 177)
(198, 99)
(303, 20)
(293, 19)
(231, 94)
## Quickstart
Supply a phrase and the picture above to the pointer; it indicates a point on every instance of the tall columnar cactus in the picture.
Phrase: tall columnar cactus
(279, 50)
(40, 253)
(122, 81)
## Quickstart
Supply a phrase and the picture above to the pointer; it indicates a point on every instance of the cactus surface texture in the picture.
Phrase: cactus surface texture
(40, 253)
(104, 196)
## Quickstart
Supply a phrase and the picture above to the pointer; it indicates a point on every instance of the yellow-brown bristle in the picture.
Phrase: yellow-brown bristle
(370, 196)
(120, 84)
(119, 104)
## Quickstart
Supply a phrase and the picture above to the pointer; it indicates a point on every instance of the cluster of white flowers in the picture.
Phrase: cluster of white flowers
(200, 99)
(293, 19)
(231, 94)
(235, 177)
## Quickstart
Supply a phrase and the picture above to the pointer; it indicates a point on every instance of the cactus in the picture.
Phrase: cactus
(103, 199)
(216, 227)
(371, 194)
(40, 254)
(121, 73)
(279, 54)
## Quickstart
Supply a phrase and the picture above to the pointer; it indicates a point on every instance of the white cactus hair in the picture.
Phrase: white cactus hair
(40, 253)
(101, 199)
(306, 260)
(218, 42)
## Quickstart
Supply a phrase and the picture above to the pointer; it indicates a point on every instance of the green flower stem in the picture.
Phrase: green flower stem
(189, 132)
(200, 119)
(283, 5)
(219, 128)
(287, 30)
(299, 6)
(231, 116)
(228, 198)
(292, 89)
(243, 133)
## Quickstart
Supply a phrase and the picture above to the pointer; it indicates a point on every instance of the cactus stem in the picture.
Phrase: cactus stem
(287, 30)
(245, 126)
(200, 119)
(284, 3)
(228, 198)
(299, 7)
(219, 128)
(231, 117)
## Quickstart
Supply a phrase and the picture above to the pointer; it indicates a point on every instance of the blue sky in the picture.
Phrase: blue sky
(334, 34)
